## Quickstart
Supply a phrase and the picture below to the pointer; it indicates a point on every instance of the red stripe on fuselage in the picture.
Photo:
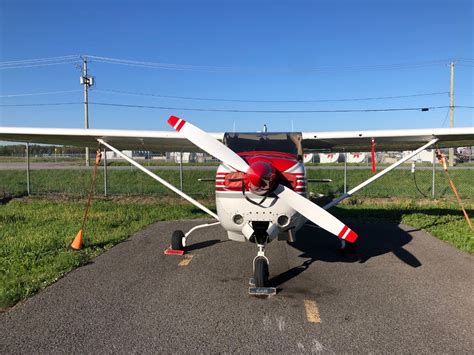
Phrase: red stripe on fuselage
(280, 161)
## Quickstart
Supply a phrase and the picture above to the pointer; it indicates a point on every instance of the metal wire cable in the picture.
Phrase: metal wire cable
(266, 111)
(39, 93)
(122, 92)
(169, 66)
(38, 65)
(416, 185)
(391, 109)
(42, 104)
(39, 60)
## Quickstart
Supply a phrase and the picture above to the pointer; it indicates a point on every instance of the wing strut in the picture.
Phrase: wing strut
(159, 179)
(379, 175)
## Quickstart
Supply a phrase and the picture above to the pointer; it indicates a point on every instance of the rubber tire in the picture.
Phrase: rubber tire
(261, 273)
(177, 240)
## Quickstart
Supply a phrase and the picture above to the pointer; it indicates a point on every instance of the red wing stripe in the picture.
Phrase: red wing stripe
(180, 125)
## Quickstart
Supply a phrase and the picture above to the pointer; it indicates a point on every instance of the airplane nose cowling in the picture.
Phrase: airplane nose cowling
(260, 177)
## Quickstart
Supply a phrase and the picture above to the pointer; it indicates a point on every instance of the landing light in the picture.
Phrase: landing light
(238, 219)
(283, 220)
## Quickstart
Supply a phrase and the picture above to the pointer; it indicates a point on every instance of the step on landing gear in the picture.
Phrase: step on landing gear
(177, 246)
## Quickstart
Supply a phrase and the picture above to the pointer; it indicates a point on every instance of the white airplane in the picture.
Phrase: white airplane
(261, 183)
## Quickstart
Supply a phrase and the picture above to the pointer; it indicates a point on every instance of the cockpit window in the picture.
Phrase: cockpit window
(289, 143)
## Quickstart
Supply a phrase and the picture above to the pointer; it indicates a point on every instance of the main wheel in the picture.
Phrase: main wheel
(177, 240)
(261, 272)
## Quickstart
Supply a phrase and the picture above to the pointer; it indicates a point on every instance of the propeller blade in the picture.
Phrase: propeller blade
(208, 143)
(315, 214)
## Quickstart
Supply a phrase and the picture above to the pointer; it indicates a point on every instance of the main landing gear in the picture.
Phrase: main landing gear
(179, 238)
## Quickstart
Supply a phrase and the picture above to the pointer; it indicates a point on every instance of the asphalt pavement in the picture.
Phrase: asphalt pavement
(406, 292)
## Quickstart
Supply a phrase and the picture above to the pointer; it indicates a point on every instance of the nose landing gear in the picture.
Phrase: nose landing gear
(261, 285)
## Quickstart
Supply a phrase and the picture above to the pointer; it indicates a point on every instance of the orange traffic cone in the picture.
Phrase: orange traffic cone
(77, 242)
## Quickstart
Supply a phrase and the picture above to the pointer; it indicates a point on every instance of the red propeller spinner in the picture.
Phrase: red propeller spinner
(260, 177)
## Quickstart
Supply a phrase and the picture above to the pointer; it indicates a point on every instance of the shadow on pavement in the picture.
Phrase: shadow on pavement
(202, 245)
(374, 239)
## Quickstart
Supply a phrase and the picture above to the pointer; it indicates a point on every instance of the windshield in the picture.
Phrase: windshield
(289, 143)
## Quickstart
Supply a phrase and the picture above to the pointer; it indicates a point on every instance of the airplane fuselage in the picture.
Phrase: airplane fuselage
(238, 206)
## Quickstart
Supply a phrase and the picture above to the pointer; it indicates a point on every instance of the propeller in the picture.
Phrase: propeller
(261, 177)
(208, 143)
(315, 214)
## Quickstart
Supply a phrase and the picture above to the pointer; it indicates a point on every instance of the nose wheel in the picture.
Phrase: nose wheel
(261, 285)
(260, 274)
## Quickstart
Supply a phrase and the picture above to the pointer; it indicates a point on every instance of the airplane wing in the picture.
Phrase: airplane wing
(157, 141)
(166, 141)
(385, 140)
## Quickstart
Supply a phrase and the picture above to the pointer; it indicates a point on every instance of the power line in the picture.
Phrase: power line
(187, 67)
(39, 64)
(269, 111)
(29, 61)
(445, 117)
(42, 104)
(170, 66)
(121, 92)
(38, 93)
(426, 108)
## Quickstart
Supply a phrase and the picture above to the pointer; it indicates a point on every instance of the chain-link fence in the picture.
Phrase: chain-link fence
(68, 175)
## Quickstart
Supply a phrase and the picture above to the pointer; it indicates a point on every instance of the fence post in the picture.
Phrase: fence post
(105, 172)
(181, 171)
(27, 153)
(345, 172)
(433, 178)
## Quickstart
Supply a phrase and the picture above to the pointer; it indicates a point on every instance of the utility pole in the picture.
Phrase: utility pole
(86, 81)
(451, 112)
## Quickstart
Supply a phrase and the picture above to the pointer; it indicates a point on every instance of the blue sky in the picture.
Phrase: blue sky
(276, 51)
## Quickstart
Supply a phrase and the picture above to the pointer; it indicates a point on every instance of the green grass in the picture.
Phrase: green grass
(398, 183)
(35, 235)
(441, 219)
